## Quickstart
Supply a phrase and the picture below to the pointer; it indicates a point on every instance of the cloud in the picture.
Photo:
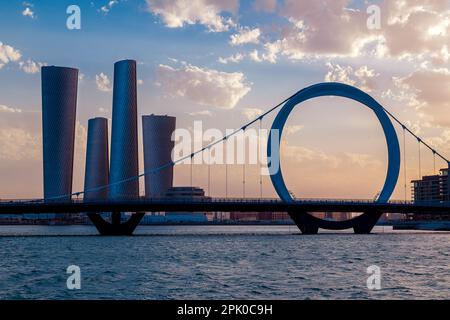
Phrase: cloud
(301, 154)
(201, 113)
(27, 12)
(104, 110)
(252, 113)
(177, 13)
(18, 144)
(428, 90)
(204, 86)
(244, 36)
(293, 129)
(4, 108)
(140, 82)
(363, 160)
(413, 29)
(362, 77)
(31, 66)
(232, 59)
(107, 7)
(8, 54)
(103, 82)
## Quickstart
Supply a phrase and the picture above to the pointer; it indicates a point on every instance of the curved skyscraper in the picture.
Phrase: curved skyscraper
(124, 140)
(59, 102)
(158, 146)
(97, 160)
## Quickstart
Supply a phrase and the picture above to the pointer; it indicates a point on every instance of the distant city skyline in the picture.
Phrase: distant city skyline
(223, 62)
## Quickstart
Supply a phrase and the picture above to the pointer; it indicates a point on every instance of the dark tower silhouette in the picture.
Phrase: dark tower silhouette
(97, 160)
(59, 102)
(124, 139)
(158, 145)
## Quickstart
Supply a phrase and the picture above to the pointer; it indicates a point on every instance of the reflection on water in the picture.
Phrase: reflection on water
(221, 262)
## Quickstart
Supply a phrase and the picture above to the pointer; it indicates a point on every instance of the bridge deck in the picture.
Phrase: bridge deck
(221, 205)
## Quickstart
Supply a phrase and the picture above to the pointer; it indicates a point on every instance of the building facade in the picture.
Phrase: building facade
(124, 138)
(158, 145)
(431, 188)
(59, 103)
(97, 160)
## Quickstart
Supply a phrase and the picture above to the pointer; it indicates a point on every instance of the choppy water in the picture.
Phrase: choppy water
(221, 262)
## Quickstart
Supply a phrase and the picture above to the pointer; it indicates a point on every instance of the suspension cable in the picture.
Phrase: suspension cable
(420, 162)
(209, 172)
(434, 162)
(192, 170)
(243, 167)
(226, 167)
(404, 161)
(259, 159)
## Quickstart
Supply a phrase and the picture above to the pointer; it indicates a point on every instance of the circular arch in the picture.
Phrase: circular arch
(340, 90)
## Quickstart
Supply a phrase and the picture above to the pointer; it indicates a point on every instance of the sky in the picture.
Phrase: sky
(225, 62)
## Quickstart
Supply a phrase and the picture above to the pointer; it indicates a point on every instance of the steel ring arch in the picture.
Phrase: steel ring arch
(340, 90)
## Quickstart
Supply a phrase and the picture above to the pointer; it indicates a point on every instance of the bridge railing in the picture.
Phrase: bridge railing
(13, 202)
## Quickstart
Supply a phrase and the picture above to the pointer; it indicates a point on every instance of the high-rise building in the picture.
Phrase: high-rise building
(124, 139)
(59, 102)
(97, 160)
(158, 146)
(431, 188)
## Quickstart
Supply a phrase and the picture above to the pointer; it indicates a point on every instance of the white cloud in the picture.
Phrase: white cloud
(27, 12)
(413, 29)
(252, 113)
(4, 108)
(103, 82)
(31, 66)
(107, 7)
(244, 36)
(232, 59)
(203, 86)
(8, 54)
(140, 82)
(362, 77)
(177, 13)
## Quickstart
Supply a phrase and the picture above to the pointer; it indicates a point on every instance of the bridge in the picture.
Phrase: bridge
(223, 205)
(298, 209)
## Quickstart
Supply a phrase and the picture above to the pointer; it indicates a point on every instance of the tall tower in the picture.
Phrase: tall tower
(124, 140)
(59, 102)
(97, 160)
(158, 146)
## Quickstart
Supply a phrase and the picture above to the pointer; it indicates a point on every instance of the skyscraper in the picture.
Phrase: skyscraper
(97, 160)
(59, 102)
(124, 141)
(158, 145)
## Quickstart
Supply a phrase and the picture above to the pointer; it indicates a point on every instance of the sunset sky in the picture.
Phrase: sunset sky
(225, 62)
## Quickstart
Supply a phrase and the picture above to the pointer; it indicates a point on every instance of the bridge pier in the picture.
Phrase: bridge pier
(366, 222)
(309, 224)
(115, 228)
(305, 222)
